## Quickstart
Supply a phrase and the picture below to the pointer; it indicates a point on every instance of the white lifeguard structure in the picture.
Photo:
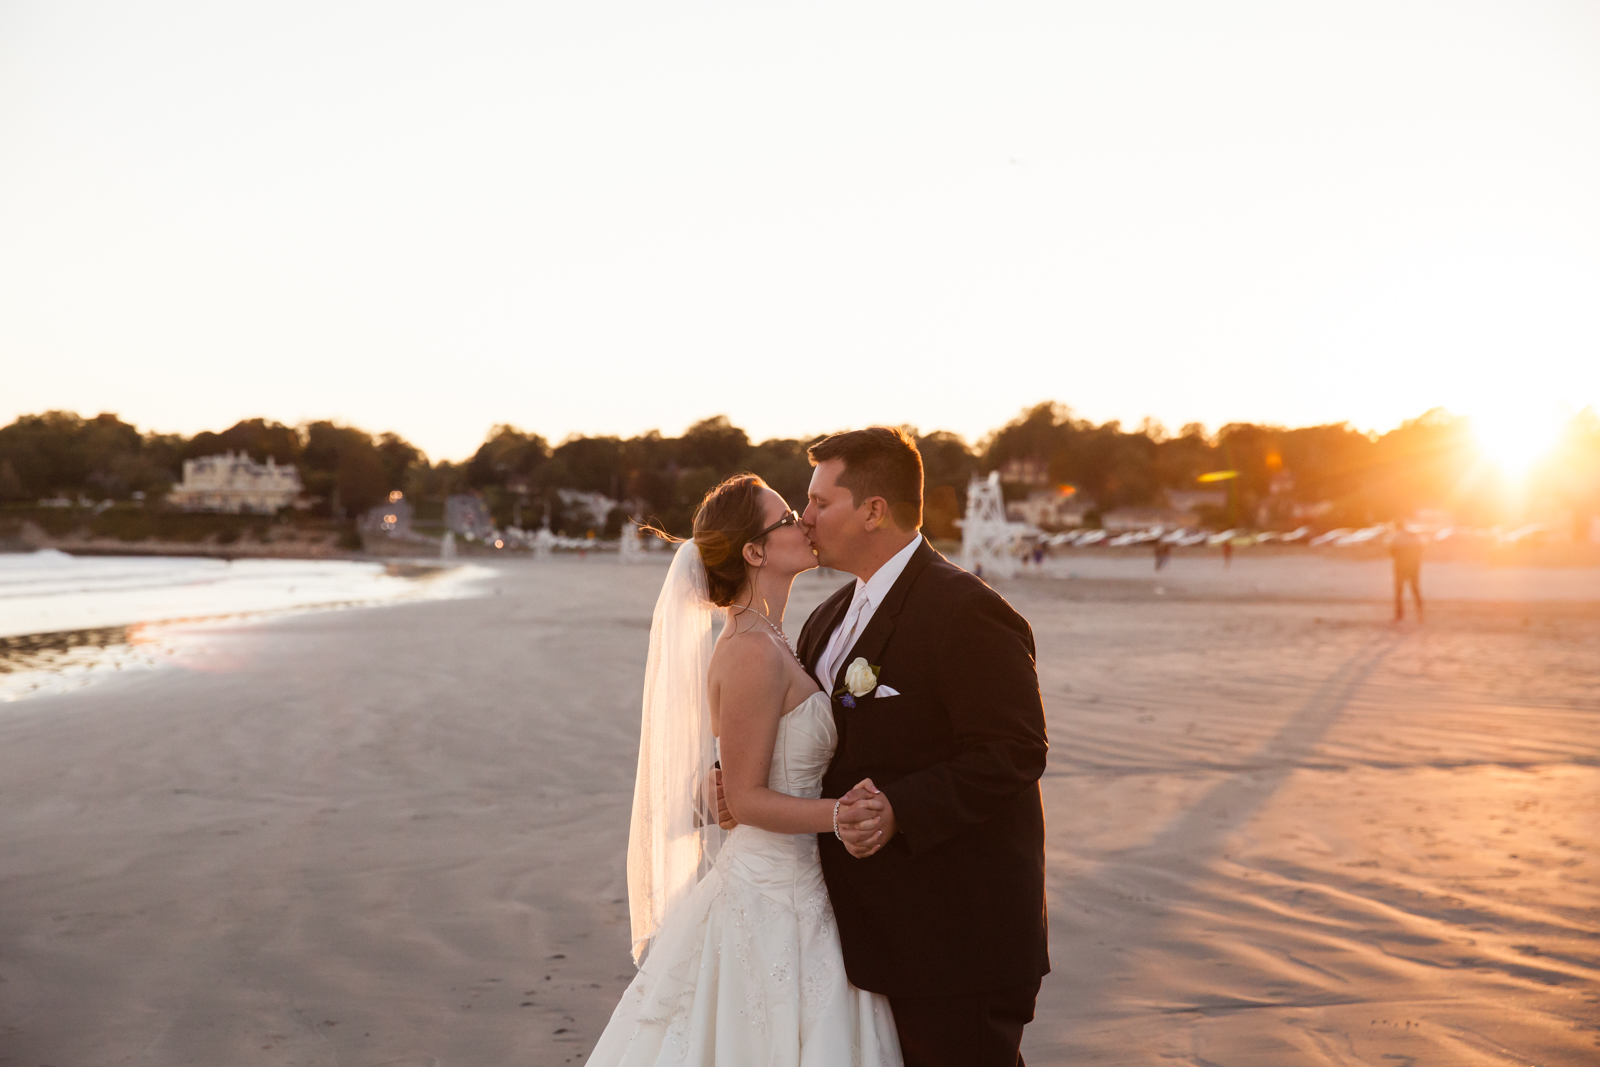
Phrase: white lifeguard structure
(988, 538)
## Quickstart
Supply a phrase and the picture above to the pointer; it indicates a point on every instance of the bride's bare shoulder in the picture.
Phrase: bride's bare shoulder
(746, 649)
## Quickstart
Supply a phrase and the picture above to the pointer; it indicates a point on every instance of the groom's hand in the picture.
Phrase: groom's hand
(866, 820)
(725, 817)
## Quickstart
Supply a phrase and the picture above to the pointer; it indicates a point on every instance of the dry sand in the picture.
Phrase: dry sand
(1281, 830)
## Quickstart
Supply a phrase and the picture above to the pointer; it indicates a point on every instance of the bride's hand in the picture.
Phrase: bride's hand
(866, 820)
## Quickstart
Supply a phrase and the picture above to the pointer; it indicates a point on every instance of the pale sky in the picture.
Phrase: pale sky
(607, 218)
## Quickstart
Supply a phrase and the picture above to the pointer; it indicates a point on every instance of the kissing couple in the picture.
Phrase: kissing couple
(863, 881)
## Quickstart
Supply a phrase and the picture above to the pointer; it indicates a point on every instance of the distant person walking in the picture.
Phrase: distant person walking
(1163, 550)
(1405, 548)
(1227, 553)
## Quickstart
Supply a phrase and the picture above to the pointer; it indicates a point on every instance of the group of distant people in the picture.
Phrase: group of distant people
(1405, 549)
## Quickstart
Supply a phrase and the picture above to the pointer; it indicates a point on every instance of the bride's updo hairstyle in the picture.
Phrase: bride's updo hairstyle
(728, 517)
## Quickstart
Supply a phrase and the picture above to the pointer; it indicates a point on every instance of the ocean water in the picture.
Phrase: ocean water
(65, 620)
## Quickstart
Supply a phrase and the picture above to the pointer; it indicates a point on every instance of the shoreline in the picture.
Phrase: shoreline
(67, 622)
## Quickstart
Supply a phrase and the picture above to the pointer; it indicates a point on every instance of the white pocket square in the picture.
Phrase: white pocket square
(884, 691)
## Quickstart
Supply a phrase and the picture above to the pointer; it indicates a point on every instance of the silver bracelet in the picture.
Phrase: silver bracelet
(836, 804)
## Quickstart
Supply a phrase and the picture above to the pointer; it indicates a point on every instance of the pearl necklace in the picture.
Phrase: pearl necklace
(775, 629)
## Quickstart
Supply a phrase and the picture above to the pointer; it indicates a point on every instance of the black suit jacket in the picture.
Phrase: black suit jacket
(954, 903)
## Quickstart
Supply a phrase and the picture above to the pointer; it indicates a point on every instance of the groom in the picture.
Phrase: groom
(937, 873)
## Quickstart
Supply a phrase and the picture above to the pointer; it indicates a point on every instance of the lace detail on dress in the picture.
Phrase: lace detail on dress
(745, 928)
(824, 971)
(817, 910)
(673, 1002)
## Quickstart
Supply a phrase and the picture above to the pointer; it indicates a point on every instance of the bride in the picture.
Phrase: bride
(739, 957)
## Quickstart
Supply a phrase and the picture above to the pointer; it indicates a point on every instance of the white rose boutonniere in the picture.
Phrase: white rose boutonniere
(860, 678)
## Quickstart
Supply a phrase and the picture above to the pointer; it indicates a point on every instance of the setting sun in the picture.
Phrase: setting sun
(1514, 441)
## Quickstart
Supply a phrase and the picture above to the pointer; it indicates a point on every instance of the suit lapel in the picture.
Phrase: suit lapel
(814, 638)
(872, 641)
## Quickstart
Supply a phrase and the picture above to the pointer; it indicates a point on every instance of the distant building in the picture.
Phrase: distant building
(1025, 472)
(1050, 509)
(468, 516)
(392, 519)
(235, 483)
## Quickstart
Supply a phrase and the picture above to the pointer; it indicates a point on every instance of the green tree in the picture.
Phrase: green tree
(508, 454)
(341, 466)
(588, 464)
(782, 463)
(1182, 459)
(714, 443)
(651, 465)
(398, 457)
(256, 438)
(58, 452)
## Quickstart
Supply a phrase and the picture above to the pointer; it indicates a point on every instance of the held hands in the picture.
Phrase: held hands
(866, 820)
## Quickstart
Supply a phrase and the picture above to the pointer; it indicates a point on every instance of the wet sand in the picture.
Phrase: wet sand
(1281, 829)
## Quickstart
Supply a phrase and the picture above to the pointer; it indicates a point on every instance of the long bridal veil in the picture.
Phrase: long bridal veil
(674, 837)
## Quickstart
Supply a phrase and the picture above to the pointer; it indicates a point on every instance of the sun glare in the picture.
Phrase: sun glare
(1516, 441)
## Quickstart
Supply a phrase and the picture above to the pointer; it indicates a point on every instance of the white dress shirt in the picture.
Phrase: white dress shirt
(869, 594)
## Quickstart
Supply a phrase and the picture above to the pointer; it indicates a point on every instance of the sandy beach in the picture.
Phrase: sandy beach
(1282, 830)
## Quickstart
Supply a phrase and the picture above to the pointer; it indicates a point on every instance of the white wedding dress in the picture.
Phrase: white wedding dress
(747, 970)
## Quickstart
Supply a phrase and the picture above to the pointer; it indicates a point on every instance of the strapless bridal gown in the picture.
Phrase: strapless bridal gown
(748, 971)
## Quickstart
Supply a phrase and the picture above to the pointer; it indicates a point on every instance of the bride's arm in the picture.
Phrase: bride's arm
(749, 688)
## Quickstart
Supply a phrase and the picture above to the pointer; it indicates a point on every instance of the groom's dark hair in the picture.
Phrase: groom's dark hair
(878, 461)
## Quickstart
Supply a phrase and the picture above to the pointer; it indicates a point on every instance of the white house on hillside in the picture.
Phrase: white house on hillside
(235, 483)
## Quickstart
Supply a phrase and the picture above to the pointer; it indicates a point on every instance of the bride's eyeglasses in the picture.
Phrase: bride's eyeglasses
(790, 518)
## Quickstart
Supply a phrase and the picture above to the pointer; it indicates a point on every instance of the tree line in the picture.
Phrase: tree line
(59, 454)
(1330, 475)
